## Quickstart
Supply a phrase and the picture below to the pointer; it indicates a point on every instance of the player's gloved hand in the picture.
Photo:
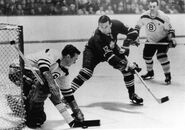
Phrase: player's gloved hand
(78, 115)
(132, 67)
(135, 43)
(124, 51)
(129, 42)
(172, 43)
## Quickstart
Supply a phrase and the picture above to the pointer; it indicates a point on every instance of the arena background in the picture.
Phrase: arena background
(104, 96)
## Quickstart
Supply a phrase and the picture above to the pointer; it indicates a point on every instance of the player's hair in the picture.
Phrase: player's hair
(104, 19)
(154, 1)
(70, 50)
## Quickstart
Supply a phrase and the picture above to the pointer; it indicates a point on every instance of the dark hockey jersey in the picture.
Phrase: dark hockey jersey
(103, 46)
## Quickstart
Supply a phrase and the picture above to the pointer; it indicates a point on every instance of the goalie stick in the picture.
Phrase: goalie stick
(159, 100)
(66, 115)
(27, 62)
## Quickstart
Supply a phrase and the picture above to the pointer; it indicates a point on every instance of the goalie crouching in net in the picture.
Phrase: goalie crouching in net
(52, 67)
(102, 47)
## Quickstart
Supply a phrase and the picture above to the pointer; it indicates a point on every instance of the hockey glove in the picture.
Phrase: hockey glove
(77, 113)
(134, 67)
(129, 42)
(135, 43)
(124, 51)
(172, 43)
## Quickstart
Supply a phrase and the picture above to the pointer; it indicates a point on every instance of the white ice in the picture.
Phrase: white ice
(105, 96)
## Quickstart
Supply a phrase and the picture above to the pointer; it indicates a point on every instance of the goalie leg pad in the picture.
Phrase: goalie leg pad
(35, 115)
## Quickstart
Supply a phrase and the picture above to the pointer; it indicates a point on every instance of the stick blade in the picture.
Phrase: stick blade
(91, 123)
(87, 123)
(164, 99)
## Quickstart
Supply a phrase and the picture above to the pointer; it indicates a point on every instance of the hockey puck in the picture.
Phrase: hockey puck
(12, 42)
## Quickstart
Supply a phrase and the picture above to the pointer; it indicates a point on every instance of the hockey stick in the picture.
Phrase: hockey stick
(159, 100)
(85, 123)
(153, 43)
(159, 43)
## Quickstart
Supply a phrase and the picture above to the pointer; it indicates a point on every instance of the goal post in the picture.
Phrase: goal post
(12, 112)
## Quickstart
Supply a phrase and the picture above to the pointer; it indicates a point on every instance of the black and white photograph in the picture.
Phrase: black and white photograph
(92, 64)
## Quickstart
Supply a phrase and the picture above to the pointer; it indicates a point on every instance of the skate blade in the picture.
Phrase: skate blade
(168, 83)
(136, 104)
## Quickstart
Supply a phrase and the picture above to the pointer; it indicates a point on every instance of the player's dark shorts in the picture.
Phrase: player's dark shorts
(150, 50)
(91, 59)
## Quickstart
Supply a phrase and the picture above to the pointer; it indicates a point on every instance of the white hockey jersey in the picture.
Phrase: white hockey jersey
(156, 28)
(51, 58)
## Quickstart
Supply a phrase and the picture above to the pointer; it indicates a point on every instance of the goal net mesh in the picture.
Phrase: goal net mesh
(12, 113)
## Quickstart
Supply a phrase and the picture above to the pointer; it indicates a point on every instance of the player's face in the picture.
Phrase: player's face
(153, 7)
(105, 28)
(71, 60)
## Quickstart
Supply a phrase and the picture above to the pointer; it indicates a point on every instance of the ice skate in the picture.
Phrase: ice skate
(149, 75)
(135, 99)
(168, 78)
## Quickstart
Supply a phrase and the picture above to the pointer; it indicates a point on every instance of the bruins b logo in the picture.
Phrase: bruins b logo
(151, 27)
(56, 75)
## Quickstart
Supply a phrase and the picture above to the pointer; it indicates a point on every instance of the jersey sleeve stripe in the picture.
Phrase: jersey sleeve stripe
(67, 92)
(44, 60)
(43, 66)
(44, 63)
(110, 57)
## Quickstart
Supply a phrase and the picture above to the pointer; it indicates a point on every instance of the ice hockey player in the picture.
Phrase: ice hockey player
(102, 46)
(158, 29)
(52, 66)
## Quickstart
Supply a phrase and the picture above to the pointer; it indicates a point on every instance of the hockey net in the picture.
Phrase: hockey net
(12, 113)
